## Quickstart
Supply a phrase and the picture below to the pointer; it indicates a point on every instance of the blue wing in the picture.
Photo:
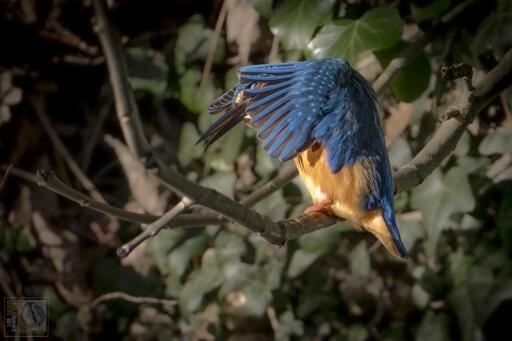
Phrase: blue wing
(289, 100)
(283, 101)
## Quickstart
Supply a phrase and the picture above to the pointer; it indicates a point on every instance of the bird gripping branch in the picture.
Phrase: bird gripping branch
(325, 116)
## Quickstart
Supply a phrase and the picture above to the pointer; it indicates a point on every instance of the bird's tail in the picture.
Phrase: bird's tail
(383, 226)
(234, 112)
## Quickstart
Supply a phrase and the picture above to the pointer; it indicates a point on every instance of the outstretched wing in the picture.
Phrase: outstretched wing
(283, 101)
(288, 100)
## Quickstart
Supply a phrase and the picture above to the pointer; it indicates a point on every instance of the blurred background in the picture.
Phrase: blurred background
(223, 282)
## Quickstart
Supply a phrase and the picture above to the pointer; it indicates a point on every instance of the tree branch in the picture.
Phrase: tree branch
(213, 45)
(126, 108)
(413, 50)
(39, 108)
(449, 132)
(155, 227)
(130, 298)
(278, 232)
(6, 175)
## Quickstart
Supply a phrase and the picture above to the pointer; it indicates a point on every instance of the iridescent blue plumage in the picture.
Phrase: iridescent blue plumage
(297, 106)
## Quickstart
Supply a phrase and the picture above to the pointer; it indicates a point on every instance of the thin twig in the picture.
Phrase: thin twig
(213, 45)
(283, 177)
(93, 139)
(27, 176)
(6, 174)
(118, 295)
(66, 37)
(127, 111)
(418, 45)
(38, 104)
(274, 50)
(274, 323)
(155, 227)
(48, 180)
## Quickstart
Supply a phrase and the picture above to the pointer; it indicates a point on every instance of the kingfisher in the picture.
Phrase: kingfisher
(324, 115)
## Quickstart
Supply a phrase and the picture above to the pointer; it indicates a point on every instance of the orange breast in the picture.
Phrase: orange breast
(345, 189)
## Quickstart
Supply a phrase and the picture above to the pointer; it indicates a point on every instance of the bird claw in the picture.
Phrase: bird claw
(324, 207)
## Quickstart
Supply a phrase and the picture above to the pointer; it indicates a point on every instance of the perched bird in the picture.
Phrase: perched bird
(325, 116)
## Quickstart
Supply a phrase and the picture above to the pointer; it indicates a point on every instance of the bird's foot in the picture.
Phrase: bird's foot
(324, 207)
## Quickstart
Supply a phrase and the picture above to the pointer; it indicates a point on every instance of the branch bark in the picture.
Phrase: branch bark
(126, 108)
(413, 50)
(39, 108)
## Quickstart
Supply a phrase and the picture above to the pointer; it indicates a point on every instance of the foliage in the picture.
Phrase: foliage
(331, 284)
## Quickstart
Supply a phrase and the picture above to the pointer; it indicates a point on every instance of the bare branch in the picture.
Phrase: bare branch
(27, 176)
(48, 180)
(155, 227)
(449, 132)
(130, 298)
(284, 176)
(38, 104)
(213, 45)
(418, 45)
(6, 175)
(126, 108)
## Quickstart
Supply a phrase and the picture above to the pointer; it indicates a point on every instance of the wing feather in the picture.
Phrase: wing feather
(283, 101)
(289, 102)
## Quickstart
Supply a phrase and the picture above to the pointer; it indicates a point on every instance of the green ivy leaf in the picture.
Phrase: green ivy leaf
(188, 149)
(313, 300)
(357, 332)
(412, 81)
(433, 10)
(296, 20)
(322, 240)
(189, 86)
(489, 35)
(264, 7)
(289, 326)
(229, 247)
(203, 281)
(180, 257)
(438, 197)
(377, 29)
(301, 260)
(159, 248)
(227, 149)
(273, 206)
(224, 182)
(433, 327)
(497, 142)
(193, 43)
(147, 70)
(399, 153)
(360, 260)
